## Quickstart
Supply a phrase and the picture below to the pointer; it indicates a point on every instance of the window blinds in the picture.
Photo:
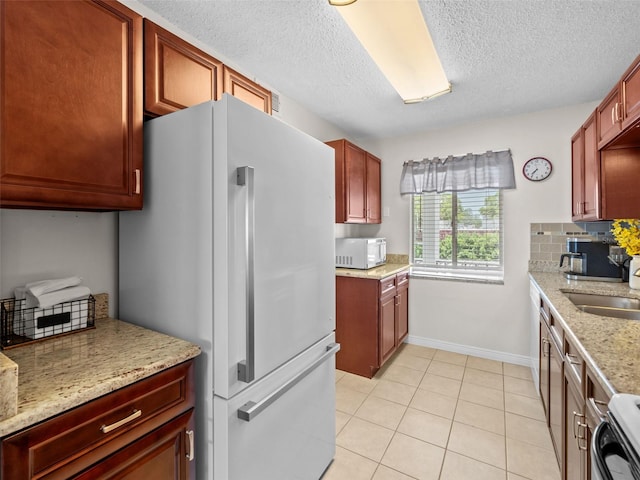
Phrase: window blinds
(458, 230)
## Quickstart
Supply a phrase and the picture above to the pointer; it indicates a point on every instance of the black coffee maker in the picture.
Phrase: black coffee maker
(590, 260)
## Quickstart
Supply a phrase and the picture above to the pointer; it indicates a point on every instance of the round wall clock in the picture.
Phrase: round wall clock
(537, 169)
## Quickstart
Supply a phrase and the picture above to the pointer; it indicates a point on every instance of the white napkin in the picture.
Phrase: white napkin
(46, 286)
(68, 294)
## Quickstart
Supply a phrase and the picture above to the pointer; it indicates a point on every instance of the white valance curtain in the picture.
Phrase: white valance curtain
(456, 174)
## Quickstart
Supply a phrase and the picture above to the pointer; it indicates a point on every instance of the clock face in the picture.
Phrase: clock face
(537, 168)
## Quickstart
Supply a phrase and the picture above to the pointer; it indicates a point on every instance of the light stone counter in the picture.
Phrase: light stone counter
(611, 346)
(376, 273)
(61, 373)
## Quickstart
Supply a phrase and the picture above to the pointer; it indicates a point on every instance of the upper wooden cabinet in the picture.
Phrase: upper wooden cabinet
(606, 163)
(619, 112)
(630, 85)
(250, 92)
(70, 105)
(357, 172)
(176, 74)
(609, 115)
(585, 160)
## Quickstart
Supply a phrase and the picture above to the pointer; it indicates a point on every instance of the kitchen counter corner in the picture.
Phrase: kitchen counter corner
(610, 345)
(61, 373)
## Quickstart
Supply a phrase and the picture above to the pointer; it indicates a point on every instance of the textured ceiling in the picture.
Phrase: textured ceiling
(503, 57)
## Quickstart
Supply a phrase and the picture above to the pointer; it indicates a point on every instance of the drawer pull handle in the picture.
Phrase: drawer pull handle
(137, 187)
(573, 359)
(190, 452)
(595, 406)
(108, 428)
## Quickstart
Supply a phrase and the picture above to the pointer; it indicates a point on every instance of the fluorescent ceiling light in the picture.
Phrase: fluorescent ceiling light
(396, 37)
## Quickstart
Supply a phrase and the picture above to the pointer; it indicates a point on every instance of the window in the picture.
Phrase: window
(458, 234)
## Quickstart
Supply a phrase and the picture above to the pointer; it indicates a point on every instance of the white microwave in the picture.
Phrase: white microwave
(360, 253)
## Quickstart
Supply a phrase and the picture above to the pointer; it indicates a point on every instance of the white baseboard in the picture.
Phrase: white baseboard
(469, 350)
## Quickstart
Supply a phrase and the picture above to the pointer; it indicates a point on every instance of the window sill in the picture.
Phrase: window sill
(467, 276)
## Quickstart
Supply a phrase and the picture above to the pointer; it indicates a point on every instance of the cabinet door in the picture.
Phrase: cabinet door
(585, 165)
(556, 385)
(387, 327)
(575, 433)
(165, 454)
(545, 347)
(591, 210)
(71, 105)
(577, 174)
(631, 95)
(250, 92)
(609, 117)
(402, 307)
(355, 184)
(357, 325)
(176, 74)
(373, 200)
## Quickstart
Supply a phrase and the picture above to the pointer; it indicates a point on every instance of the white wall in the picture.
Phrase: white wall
(483, 319)
(41, 244)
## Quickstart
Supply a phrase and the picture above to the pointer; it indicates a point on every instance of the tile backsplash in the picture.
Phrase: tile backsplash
(549, 241)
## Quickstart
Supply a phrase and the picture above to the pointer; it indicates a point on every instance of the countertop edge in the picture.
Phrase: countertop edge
(376, 273)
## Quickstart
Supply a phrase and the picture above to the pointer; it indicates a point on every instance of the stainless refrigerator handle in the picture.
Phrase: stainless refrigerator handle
(251, 409)
(246, 367)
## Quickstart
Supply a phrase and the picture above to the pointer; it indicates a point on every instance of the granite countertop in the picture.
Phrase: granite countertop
(61, 373)
(611, 346)
(376, 273)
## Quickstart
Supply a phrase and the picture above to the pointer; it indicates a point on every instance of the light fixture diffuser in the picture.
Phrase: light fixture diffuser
(396, 37)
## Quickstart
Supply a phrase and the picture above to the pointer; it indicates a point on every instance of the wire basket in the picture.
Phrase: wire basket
(20, 325)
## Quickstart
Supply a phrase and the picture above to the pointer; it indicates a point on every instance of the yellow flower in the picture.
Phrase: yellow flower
(627, 232)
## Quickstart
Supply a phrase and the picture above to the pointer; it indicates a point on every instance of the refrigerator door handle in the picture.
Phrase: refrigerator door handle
(246, 367)
(251, 409)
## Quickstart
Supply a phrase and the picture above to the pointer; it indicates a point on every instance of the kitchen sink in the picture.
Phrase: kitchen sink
(606, 305)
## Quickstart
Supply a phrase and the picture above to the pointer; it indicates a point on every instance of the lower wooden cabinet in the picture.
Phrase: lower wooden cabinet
(371, 321)
(573, 399)
(144, 430)
(163, 454)
(576, 447)
(575, 427)
(551, 379)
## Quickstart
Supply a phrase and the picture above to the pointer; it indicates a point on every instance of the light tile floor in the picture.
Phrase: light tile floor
(432, 414)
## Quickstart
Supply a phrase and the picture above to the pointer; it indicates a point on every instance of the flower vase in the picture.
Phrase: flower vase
(634, 267)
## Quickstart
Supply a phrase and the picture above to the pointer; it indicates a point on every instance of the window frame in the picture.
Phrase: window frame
(453, 271)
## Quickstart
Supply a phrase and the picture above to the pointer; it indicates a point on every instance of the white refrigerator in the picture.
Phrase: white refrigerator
(234, 251)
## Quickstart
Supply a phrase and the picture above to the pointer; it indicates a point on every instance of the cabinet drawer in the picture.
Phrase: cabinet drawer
(596, 400)
(78, 438)
(402, 280)
(387, 287)
(574, 365)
